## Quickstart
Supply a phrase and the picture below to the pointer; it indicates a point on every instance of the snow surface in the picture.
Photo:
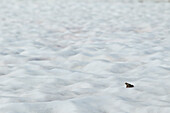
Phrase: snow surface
(75, 56)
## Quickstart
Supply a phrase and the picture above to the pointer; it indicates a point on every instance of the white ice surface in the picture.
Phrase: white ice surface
(74, 57)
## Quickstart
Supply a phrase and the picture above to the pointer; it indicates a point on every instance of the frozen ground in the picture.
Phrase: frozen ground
(74, 57)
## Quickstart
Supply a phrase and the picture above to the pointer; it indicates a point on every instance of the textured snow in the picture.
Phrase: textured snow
(75, 56)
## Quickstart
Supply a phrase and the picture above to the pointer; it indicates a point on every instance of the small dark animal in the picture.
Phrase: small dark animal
(129, 85)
